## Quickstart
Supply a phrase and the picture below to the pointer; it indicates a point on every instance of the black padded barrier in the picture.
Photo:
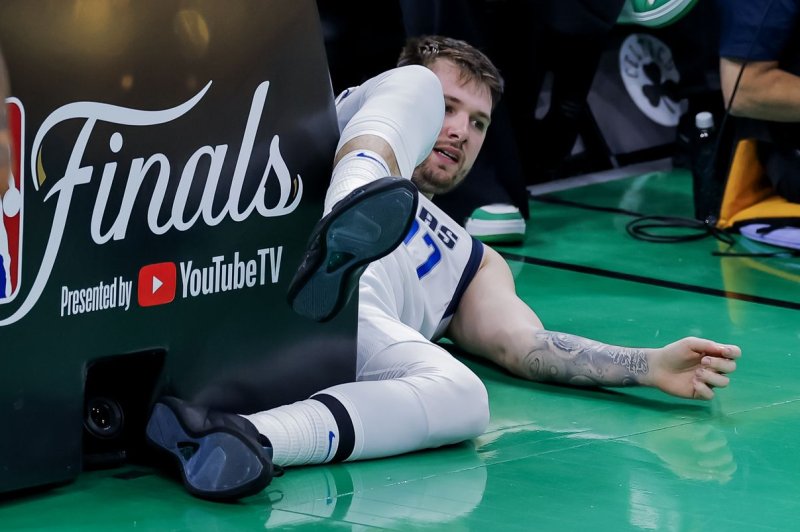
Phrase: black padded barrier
(172, 159)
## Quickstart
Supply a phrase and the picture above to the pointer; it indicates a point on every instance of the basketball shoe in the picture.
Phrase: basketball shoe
(366, 225)
(498, 223)
(221, 456)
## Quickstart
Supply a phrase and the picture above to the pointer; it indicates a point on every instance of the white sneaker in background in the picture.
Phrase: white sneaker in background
(498, 223)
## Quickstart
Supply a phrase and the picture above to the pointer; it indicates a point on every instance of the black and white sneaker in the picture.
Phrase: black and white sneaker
(366, 225)
(221, 456)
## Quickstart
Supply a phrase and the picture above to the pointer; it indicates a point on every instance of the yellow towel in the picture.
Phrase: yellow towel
(749, 195)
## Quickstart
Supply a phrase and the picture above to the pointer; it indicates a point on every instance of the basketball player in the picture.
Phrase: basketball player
(423, 278)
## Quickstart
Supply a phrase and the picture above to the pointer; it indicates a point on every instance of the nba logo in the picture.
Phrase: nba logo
(11, 204)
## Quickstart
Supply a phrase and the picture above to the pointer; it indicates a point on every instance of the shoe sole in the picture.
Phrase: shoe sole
(367, 228)
(220, 466)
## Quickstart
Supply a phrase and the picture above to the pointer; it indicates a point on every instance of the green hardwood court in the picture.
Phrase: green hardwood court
(553, 458)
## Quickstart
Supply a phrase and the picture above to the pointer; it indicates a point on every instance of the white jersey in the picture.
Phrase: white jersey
(422, 281)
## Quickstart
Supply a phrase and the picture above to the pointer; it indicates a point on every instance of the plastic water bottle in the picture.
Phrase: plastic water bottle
(706, 187)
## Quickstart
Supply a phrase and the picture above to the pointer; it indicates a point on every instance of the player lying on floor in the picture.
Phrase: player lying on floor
(420, 276)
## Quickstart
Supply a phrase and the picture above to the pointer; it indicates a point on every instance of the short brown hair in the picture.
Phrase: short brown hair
(474, 64)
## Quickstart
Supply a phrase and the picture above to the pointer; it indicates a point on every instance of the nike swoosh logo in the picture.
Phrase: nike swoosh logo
(371, 158)
(331, 436)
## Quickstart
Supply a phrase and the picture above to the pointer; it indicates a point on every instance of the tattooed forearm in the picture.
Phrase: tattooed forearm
(564, 358)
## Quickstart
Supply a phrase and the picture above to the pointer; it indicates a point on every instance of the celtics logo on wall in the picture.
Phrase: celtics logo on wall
(651, 78)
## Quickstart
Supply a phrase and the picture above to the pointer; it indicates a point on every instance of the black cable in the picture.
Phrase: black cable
(644, 228)
(641, 227)
(650, 228)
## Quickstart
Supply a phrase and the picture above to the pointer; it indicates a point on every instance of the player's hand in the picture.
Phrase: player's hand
(693, 367)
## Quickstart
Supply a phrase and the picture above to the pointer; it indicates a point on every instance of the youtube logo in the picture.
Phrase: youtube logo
(157, 284)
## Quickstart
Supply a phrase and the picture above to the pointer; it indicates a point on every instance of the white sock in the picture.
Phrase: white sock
(355, 169)
(299, 432)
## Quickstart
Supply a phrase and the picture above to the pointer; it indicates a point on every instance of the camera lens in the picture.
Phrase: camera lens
(104, 417)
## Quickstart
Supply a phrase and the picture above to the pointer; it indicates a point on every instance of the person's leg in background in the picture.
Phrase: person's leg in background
(524, 77)
(577, 33)
(554, 135)
(493, 202)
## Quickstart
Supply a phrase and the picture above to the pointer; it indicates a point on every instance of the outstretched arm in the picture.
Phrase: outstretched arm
(690, 367)
(493, 322)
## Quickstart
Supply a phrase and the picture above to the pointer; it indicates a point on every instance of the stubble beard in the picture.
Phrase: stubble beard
(429, 182)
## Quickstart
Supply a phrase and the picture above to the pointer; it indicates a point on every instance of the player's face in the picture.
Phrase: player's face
(468, 108)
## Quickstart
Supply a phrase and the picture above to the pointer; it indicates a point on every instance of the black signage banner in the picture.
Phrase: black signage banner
(170, 160)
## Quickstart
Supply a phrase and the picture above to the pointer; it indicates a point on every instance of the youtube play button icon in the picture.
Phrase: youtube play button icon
(157, 284)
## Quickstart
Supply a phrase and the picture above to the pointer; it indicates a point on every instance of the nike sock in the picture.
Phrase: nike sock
(300, 433)
(355, 169)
